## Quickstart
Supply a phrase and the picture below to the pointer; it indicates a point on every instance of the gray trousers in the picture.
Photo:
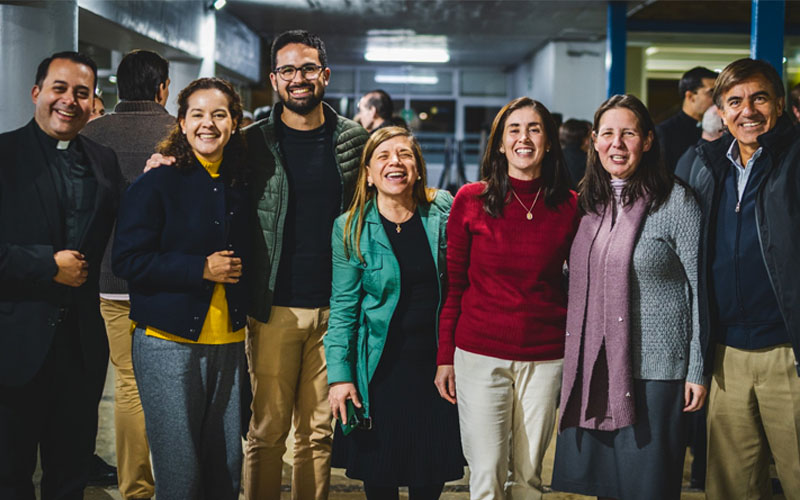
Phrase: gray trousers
(190, 395)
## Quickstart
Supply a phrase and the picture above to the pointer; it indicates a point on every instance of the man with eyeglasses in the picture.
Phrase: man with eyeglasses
(682, 130)
(305, 161)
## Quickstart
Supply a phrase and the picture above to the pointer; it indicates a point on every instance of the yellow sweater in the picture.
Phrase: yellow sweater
(217, 325)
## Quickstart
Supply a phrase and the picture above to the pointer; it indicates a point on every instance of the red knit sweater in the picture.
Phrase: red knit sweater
(506, 295)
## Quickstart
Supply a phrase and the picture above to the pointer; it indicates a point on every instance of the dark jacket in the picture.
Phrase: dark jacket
(31, 304)
(575, 158)
(170, 220)
(133, 130)
(777, 216)
(270, 193)
(676, 134)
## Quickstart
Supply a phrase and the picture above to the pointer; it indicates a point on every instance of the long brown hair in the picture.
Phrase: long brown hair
(494, 167)
(175, 144)
(421, 194)
(651, 177)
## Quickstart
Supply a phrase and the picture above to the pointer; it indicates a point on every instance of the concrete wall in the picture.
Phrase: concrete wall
(567, 77)
(30, 32)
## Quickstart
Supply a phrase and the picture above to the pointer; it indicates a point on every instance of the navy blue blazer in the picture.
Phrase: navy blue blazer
(170, 220)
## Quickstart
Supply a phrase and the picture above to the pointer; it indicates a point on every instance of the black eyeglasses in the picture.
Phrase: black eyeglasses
(288, 72)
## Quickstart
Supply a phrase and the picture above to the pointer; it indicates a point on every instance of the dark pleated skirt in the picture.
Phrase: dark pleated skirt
(644, 460)
(415, 438)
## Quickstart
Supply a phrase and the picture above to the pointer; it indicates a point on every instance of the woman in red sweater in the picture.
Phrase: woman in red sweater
(501, 331)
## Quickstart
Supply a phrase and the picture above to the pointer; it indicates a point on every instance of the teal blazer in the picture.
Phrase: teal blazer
(364, 295)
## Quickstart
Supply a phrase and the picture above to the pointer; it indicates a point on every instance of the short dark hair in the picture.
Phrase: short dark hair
(573, 132)
(651, 179)
(302, 37)
(76, 57)
(382, 103)
(693, 79)
(494, 166)
(140, 74)
(745, 69)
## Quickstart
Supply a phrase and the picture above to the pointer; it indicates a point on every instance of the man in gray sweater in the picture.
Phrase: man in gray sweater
(133, 130)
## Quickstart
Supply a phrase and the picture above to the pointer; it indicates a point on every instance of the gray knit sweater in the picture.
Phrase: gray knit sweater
(665, 331)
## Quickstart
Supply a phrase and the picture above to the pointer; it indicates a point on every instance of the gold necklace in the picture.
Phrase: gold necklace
(529, 210)
(398, 225)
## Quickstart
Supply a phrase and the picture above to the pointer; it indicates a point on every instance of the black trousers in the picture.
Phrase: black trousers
(55, 413)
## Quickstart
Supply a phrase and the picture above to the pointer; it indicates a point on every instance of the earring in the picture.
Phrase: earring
(369, 183)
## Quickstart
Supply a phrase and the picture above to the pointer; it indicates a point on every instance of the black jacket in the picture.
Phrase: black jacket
(777, 218)
(31, 304)
(170, 220)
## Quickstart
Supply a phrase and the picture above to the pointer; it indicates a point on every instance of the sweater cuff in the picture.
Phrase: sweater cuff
(445, 355)
(340, 373)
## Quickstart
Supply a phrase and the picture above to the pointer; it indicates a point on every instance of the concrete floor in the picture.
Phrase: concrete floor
(341, 487)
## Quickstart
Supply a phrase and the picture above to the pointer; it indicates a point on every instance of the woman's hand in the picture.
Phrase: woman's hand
(223, 267)
(338, 394)
(445, 381)
(156, 160)
(694, 397)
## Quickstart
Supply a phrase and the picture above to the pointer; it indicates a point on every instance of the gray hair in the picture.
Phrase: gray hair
(712, 123)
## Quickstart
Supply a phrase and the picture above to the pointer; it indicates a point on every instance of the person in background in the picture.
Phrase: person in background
(247, 119)
(501, 329)
(375, 110)
(98, 108)
(575, 137)
(713, 128)
(139, 122)
(182, 242)
(749, 189)
(59, 193)
(682, 129)
(794, 105)
(633, 362)
(389, 258)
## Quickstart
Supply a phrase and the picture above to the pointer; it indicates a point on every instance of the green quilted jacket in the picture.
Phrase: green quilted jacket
(270, 193)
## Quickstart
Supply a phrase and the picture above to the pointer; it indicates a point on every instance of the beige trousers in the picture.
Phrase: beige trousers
(133, 453)
(289, 378)
(500, 399)
(754, 410)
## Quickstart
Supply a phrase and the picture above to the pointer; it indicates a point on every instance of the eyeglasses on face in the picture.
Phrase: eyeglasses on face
(308, 71)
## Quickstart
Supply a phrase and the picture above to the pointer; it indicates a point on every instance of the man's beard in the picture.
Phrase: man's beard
(306, 105)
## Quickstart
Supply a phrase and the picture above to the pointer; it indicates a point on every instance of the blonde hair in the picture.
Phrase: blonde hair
(422, 195)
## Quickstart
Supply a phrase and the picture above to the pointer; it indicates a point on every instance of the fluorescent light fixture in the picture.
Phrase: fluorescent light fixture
(407, 54)
(407, 79)
(217, 4)
(405, 46)
(651, 50)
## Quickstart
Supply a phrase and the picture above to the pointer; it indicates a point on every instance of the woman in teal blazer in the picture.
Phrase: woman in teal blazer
(389, 266)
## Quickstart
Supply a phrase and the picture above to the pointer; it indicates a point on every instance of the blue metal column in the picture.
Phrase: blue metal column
(615, 50)
(766, 32)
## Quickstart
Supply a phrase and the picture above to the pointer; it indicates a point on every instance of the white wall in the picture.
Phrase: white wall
(567, 77)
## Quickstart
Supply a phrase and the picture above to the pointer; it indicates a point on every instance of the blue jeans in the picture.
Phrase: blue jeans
(191, 399)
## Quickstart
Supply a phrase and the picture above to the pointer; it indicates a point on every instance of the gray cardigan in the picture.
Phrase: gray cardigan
(666, 339)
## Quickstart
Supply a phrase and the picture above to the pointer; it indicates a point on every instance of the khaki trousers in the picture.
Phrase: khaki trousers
(133, 453)
(500, 399)
(754, 409)
(290, 385)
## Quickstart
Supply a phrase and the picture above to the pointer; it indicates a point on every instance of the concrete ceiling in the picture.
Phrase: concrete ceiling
(479, 32)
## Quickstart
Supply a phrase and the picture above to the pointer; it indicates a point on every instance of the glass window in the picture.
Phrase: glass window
(487, 82)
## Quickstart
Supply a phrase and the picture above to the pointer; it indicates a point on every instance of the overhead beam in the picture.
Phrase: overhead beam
(766, 32)
(615, 47)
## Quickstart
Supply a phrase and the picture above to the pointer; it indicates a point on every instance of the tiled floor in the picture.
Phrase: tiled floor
(341, 487)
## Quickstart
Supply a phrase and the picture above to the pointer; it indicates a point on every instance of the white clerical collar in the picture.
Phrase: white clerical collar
(62, 145)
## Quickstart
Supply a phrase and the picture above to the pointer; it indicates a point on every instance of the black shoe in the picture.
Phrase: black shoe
(101, 474)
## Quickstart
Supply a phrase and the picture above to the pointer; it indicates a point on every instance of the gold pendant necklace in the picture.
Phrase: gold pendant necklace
(529, 216)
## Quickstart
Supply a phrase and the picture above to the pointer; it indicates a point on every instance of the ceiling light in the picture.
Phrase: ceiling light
(217, 4)
(407, 79)
(407, 54)
(405, 46)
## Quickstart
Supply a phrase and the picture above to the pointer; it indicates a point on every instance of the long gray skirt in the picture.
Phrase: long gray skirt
(644, 460)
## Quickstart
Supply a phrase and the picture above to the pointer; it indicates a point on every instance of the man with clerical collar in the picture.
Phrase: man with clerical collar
(58, 201)
(749, 189)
